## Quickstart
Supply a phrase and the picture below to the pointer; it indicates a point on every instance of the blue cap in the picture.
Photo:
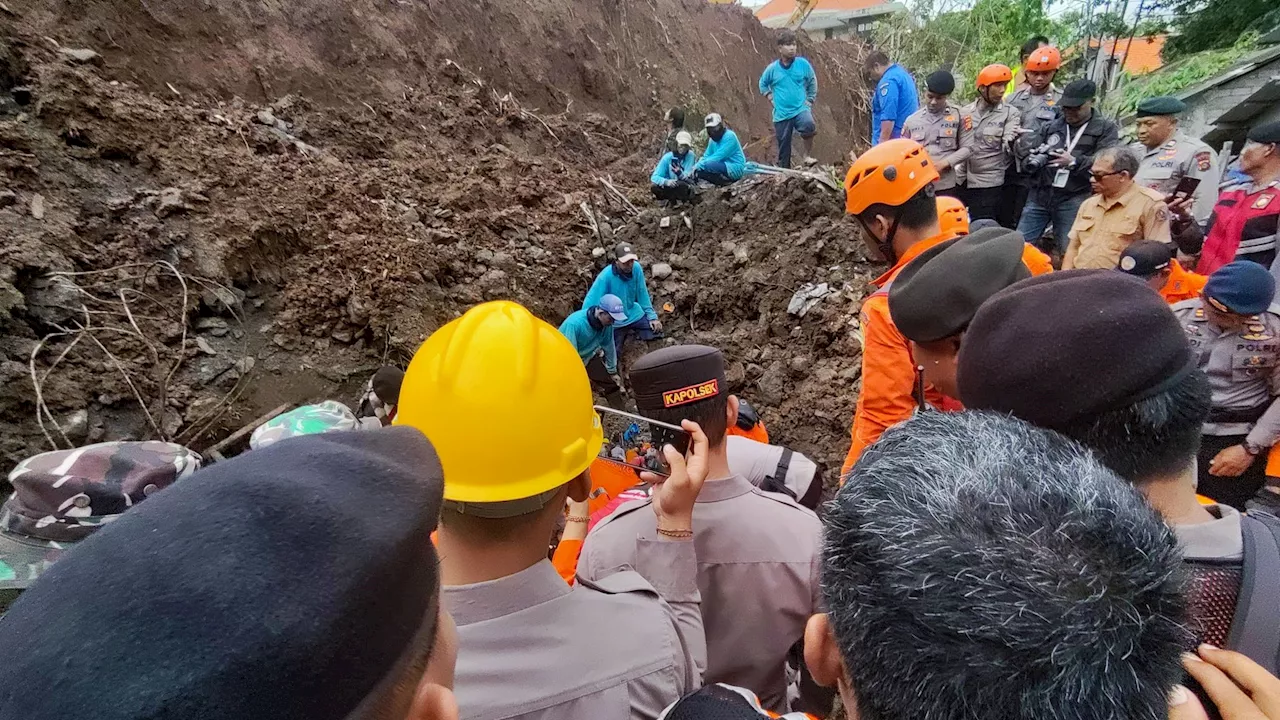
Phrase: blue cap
(1241, 287)
(612, 304)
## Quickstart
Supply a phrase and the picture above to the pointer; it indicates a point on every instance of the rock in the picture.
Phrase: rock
(215, 326)
(357, 313)
(52, 299)
(168, 202)
(799, 364)
(76, 425)
(170, 423)
(81, 55)
(660, 270)
(346, 337)
(484, 257)
(205, 347)
(597, 252)
(7, 198)
(266, 117)
(37, 206)
(245, 364)
(220, 300)
(740, 256)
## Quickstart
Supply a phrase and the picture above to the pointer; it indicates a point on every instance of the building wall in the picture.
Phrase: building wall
(1206, 107)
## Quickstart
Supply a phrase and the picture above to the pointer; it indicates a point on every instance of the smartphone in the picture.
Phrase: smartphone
(1186, 188)
(636, 442)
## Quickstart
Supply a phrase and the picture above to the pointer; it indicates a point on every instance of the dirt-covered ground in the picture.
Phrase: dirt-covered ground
(214, 209)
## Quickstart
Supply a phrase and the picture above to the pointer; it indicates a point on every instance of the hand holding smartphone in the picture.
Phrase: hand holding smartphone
(636, 442)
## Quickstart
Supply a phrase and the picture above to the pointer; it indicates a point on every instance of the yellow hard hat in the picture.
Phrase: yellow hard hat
(505, 400)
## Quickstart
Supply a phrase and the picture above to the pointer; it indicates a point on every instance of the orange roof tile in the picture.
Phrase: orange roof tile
(776, 8)
(1142, 56)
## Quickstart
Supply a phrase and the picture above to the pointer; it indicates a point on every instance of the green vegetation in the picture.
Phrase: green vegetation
(1178, 76)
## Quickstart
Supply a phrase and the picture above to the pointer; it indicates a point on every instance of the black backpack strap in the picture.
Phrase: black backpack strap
(777, 482)
(1255, 630)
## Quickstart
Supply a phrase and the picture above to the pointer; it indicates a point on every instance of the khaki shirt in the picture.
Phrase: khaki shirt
(532, 647)
(1104, 228)
(1164, 167)
(1243, 369)
(991, 133)
(758, 561)
(1035, 111)
(942, 136)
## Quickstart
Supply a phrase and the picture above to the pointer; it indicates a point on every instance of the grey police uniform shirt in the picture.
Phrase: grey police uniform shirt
(1243, 368)
(757, 461)
(758, 563)
(530, 646)
(991, 132)
(1035, 111)
(1164, 167)
(942, 136)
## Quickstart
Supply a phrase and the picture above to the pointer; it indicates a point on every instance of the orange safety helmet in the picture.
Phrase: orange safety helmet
(953, 216)
(994, 73)
(890, 173)
(1044, 59)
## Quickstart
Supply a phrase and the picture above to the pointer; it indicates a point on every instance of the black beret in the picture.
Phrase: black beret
(1077, 93)
(1163, 105)
(1241, 287)
(677, 375)
(1266, 132)
(937, 293)
(1145, 258)
(284, 583)
(1068, 345)
(940, 82)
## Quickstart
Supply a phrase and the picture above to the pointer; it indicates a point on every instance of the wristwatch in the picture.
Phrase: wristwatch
(1250, 448)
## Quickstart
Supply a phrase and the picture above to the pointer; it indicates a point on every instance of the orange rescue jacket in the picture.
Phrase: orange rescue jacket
(888, 371)
(1182, 284)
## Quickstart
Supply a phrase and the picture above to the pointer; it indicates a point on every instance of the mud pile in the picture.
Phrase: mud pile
(229, 255)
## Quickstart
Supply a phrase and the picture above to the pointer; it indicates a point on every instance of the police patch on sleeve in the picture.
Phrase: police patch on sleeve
(884, 89)
(968, 122)
(1204, 160)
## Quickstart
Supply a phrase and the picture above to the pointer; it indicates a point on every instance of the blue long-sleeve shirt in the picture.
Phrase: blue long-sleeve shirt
(633, 292)
(728, 151)
(794, 88)
(895, 99)
(672, 167)
(589, 341)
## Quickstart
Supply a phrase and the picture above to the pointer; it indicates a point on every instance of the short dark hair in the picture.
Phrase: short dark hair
(876, 58)
(1122, 159)
(1001, 567)
(386, 384)
(787, 37)
(915, 214)
(1032, 45)
(1152, 438)
(711, 415)
(677, 117)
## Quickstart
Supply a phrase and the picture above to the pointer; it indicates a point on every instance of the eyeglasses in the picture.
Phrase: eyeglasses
(1100, 175)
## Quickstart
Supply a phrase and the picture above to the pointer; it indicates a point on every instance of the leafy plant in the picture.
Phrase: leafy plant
(1178, 76)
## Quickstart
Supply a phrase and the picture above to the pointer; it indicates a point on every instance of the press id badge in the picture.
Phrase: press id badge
(1060, 178)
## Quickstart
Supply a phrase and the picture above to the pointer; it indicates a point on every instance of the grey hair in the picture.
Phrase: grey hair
(1122, 160)
(978, 567)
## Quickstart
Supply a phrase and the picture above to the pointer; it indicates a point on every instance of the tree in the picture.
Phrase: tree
(965, 40)
(1215, 24)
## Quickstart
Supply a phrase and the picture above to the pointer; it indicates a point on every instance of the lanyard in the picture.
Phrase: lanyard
(1071, 143)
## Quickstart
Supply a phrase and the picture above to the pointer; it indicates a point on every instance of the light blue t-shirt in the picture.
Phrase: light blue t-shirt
(895, 99)
(794, 88)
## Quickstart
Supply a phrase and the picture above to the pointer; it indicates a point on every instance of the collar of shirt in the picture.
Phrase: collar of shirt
(469, 604)
(725, 489)
(1123, 198)
(1218, 539)
(911, 254)
(1254, 188)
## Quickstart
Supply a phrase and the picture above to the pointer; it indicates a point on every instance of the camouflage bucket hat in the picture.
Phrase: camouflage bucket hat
(61, 497)
(328, 416)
